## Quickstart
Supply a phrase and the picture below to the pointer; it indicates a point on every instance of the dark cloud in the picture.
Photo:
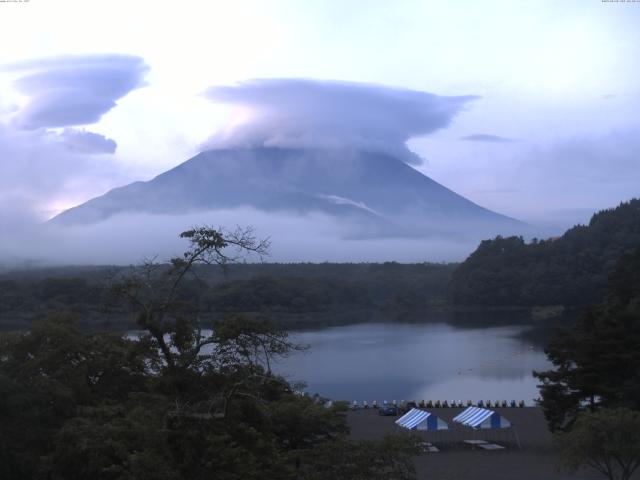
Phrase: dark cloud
(75, 90)
(485, 137)
(310, 113)
(81, 141)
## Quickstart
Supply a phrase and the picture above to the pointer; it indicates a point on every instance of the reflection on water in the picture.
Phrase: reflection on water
(416, 361)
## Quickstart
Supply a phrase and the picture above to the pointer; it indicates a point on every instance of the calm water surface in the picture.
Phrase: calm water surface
(386, 361)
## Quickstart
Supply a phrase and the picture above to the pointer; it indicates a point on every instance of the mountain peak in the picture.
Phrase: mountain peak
(352, 185)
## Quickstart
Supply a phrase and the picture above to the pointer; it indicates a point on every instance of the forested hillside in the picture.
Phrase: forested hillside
(291, 289)
(569, 270)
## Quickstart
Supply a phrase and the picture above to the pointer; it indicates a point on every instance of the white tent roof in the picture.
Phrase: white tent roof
(476, 417)
(416, 419)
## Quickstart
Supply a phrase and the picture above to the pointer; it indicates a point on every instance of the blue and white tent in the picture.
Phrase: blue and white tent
(481, 418)
(416, 419)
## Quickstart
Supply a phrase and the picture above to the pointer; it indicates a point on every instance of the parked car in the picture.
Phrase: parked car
(388, 410)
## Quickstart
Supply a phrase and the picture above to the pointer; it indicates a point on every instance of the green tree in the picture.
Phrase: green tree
(567, 270)
(607, 441)
(153, 291)
(48, 375)
(180, 401)
(389, 458)
(598, 360)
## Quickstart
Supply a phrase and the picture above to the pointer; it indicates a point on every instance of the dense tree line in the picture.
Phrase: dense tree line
(569, 270)
(597, 362)
(273, 288)
(591, 398)
(182, 401)
(269, 294)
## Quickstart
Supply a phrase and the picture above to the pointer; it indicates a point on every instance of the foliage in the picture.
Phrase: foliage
(46, 375)
(607, 440)
(390, 458)
(297, 295)
(569, 270)
(181, 401)
(597, 362)
(302, 292)
(153, 292)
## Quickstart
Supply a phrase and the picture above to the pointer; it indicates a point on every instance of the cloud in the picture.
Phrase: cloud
(42, 168)
(73, 90)
(609, 159)
(296, 113)
(82, 141)
(579, 174)
(485, 137)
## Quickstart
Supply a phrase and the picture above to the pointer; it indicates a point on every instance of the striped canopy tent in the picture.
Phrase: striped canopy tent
(481, 418)
(416, 419)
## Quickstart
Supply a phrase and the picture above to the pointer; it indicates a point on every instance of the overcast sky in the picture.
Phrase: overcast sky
(536, 103)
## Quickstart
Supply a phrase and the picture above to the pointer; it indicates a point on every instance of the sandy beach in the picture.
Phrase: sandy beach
(537, 460)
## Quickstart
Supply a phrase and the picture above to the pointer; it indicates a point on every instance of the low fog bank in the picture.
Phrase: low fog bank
(314, 237)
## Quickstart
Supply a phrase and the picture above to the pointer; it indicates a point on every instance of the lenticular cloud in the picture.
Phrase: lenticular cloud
(74, 90)
(41, 163)
(297, 113)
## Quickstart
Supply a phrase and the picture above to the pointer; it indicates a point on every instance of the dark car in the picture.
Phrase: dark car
(388, 410)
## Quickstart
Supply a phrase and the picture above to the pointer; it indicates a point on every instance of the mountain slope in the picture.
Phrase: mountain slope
(373, 189)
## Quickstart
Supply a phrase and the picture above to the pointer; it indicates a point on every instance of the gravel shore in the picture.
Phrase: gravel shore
(537, 460)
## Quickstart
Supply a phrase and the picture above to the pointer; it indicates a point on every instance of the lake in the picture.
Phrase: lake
(402, 361)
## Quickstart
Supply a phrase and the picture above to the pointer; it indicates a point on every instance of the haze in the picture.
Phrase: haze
(527, 109)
